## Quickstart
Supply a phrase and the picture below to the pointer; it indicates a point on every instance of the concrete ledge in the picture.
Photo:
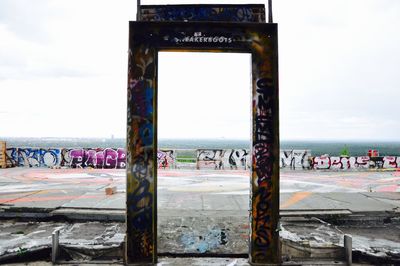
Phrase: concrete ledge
(102, 215)
(302, 213)
(72, 214)
(300, 250)
(118, 215)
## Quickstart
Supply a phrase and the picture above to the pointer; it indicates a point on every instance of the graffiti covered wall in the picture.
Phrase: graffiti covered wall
(292, 159)
(223, 159)
(349, 163)
(97, 158)
(240, 159)
(33, 157)
(226, 159)
(166, 158)
(295, 159)
(108, 158)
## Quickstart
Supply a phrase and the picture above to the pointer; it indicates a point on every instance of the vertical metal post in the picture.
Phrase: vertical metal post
(264, 201)
(141, 183)
(138, 17)
(55, 236)
(348, 249)
(270, 20)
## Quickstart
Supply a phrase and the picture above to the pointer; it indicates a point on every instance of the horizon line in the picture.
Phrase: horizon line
(212, 139)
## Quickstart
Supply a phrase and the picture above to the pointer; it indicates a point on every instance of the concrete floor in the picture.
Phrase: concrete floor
(205, 190)
(204, 212)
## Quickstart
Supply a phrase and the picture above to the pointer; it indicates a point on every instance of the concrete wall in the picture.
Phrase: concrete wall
(107, 158)
(240, 159)
(292, 159)
(295, 159)
(348, 163)
(223, 159)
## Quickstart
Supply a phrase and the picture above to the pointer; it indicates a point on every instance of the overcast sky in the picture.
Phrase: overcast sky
(63, 67)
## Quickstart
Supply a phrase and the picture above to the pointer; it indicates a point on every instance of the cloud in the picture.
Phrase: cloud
(27, 19)
(23, 58)
(339, 59)
(62, 38)
(338, 62)
(24, 72)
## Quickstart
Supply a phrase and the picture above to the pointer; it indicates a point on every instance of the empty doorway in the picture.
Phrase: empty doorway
(204, 123)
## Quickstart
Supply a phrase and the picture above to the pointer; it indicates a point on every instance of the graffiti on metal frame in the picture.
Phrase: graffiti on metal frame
(237, 13)
(263, 204)
(146, 39)
(142, 155)
(199, 38)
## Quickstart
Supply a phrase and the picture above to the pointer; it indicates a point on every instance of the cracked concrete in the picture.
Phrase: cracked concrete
(301, 239)
(198, 213)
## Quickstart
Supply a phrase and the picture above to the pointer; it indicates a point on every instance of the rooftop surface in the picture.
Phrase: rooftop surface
(199, 211)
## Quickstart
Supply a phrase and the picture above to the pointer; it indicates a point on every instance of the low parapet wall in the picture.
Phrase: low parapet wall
(109, 158)
(361, 162)
(223, 159)
(240, 159)
(295, 159)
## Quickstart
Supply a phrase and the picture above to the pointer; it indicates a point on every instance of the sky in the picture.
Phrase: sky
(63, 66)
